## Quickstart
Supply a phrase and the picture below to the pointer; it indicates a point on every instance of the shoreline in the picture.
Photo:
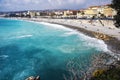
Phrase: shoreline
(113, 42)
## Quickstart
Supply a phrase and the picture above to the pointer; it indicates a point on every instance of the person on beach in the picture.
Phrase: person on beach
(91, 21)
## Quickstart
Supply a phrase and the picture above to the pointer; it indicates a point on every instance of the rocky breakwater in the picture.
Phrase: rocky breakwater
(112, 42)
(101, 36)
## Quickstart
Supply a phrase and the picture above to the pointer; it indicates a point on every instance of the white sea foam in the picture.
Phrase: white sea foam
(4, 56)
(24, 36)
(66, 48)
(89, 41)
(92, 42)
(19, 36)
(78, 48)
(70, 33)
(57, 26)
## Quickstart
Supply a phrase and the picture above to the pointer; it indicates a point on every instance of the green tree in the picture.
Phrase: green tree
(116, 6)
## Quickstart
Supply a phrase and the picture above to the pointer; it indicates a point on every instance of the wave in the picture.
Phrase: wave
(57, 26)
(4, 56)
(67, 48)
(15, 37)
(92, 42)
(24, 36)
(70, 33)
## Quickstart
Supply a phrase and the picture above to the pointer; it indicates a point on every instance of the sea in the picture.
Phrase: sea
(29, 48)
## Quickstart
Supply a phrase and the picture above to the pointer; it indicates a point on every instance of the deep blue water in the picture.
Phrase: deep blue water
(31, 49)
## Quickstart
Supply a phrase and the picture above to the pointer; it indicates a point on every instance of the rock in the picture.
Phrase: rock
(37, 78)
(101, 36)
(33, 78)
(30, 78)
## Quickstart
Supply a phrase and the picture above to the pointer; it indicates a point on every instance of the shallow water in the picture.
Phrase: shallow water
(31, 49)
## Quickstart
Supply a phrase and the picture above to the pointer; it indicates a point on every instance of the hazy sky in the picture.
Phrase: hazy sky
(16, 5)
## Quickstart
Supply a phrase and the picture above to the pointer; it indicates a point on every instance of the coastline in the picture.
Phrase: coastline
(113, 42)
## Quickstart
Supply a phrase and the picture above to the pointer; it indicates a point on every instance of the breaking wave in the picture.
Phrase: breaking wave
(89, 41)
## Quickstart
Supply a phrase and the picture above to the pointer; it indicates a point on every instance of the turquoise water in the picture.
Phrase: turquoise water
(31, 49)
